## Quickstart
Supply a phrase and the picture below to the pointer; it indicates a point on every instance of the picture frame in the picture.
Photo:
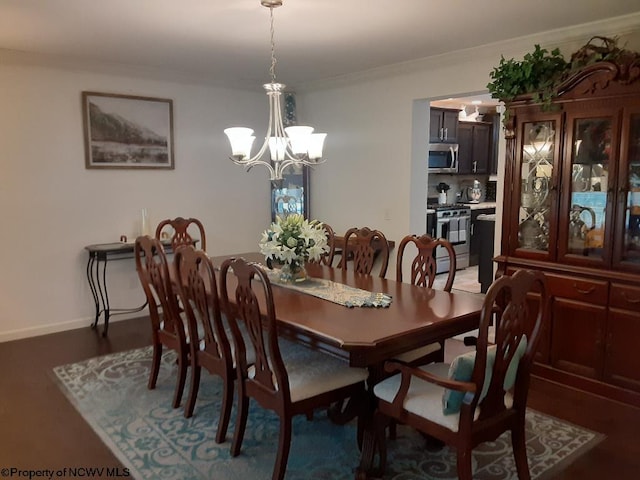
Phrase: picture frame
(127, 131)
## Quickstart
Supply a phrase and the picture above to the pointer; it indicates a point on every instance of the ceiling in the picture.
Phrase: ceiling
(227, 42)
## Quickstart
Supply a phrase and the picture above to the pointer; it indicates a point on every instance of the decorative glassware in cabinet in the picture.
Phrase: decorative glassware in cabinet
(536, 171)
(631, 251)
(590, 160)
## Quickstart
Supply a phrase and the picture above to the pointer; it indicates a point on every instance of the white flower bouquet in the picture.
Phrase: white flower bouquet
(294, 240)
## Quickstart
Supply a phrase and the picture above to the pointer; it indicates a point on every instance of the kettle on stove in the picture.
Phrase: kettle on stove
(472, 194)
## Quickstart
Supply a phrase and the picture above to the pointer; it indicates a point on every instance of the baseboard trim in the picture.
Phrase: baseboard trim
(39, 330)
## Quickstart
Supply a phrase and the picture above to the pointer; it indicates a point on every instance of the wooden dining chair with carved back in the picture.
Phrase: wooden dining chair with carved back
(422, 273)
(360, 249)
(181, 231)
(287, 378)
(167, 326)
(477, 397)
(209, 343)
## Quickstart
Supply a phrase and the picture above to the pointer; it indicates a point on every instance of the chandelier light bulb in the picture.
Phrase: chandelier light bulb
(241, 140)
(315, 145)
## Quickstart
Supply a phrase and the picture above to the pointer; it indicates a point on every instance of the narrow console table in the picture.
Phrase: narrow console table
(99, 255)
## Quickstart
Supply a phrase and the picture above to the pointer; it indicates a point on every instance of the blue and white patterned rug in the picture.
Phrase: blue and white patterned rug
(155, 441)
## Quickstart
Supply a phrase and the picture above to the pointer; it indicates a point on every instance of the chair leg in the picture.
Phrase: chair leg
(464, 464)
(194, 388)
(225, 409)
(284, 444)
(518, 441)
(182, 378)
(241, 420)
(155, 365)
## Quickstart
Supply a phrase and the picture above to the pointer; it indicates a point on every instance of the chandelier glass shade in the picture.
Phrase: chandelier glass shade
(286, 146)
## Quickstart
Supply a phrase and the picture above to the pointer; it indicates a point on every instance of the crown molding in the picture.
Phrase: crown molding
(563, 38)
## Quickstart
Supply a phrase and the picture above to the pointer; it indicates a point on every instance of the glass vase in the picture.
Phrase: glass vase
(293, 272)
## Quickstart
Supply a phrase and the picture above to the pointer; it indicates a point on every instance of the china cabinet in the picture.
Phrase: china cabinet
(572, 210)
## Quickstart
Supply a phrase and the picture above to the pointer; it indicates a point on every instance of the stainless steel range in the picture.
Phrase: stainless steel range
(452, 222)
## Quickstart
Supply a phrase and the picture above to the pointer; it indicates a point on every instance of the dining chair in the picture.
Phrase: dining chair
(423, 271)
(209, 345)
(361, 247)
(477, 397)
(167, 326)
(287, 378)
(180, 228)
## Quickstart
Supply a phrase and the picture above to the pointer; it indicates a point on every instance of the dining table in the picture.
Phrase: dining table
(367, 336)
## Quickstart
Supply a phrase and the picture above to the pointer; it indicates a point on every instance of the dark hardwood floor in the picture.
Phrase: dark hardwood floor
(40, 429)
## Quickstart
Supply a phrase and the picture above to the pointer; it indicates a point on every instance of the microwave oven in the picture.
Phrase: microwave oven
(443, 158)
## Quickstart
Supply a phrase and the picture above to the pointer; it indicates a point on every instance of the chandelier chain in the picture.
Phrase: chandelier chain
(272, 70)
(297, 147)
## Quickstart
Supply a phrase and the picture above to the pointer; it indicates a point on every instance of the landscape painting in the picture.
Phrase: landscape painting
(124, 131)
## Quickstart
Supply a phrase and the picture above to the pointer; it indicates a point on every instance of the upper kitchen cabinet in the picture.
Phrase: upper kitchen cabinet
(443, 125)
(474, 151)
(572, 211)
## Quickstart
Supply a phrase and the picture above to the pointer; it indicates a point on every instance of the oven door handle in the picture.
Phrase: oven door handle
(444, 228)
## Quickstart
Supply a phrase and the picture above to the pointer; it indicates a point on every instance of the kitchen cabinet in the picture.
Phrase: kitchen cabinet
(496, 131)
(474, 140)
(572, 211)
(443, 125)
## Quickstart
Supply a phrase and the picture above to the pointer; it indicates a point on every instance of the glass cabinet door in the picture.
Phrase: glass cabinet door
(590, 140)
(631, 177)
(538, 154)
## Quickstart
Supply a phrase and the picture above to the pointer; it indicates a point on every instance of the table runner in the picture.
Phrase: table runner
(334, 292)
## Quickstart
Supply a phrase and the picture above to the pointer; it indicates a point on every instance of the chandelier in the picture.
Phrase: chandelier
(294, 145)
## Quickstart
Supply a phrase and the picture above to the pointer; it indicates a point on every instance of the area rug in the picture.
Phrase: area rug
(155, 441)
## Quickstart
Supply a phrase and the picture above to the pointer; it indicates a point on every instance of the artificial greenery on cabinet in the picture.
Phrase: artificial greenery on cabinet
(541, 72)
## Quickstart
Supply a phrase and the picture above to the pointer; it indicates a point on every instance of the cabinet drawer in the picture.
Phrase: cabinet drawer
(594, 292)
(625, 296)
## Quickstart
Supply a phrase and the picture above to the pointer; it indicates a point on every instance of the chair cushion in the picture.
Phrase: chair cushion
(461, 369)
(312, 372)
(417, 353)
(424, 398)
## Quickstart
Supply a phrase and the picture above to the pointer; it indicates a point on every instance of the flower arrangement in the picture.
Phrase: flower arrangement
(294, 240)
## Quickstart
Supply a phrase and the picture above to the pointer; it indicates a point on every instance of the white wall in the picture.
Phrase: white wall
(51, 206)
(376, 175)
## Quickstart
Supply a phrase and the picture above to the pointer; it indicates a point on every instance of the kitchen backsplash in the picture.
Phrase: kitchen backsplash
(456, 183)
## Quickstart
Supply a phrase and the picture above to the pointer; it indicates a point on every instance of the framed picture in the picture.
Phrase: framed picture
(125, 131)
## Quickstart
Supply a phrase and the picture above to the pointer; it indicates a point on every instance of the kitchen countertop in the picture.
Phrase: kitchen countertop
(478, 206)
(473, 206)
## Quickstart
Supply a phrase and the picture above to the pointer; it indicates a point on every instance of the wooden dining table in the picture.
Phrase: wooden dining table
(367, 336)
